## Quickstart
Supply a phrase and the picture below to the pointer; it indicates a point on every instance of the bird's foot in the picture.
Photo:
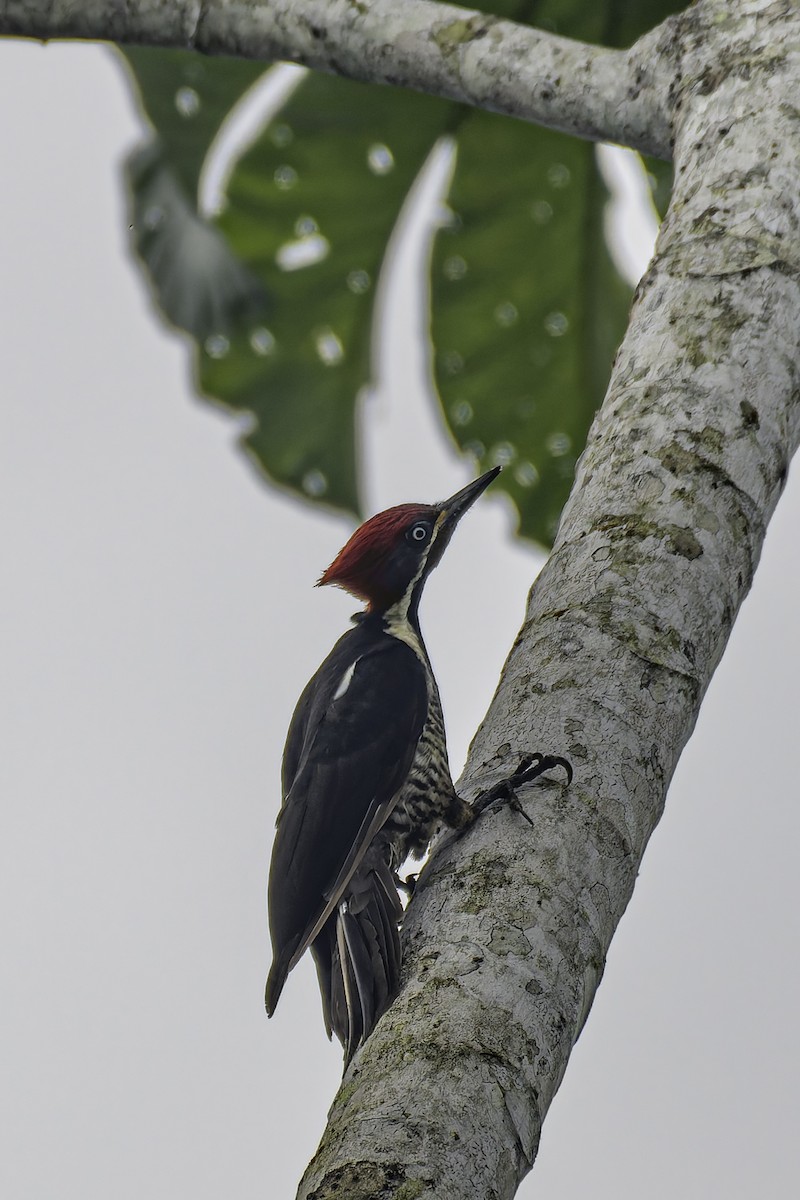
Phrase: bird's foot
(530, 767)
(407, 885)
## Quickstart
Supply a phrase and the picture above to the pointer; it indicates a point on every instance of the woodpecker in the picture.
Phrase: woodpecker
(365, 778)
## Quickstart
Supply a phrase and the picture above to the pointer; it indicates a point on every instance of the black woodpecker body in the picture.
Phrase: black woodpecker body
(366, 780)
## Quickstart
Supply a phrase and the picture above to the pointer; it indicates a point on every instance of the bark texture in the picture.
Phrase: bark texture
(456, 53)
(507, 935)
(506, 938)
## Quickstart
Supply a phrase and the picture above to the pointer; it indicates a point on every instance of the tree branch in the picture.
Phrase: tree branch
(454, 53)
(506, 938)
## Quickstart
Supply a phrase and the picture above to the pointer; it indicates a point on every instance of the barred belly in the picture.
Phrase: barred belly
(427, 796)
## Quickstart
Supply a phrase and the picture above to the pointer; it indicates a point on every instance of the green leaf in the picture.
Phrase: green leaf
(659, 177)
(614, 23)
(186, 98)
(626, 22)
(197, 282)
(327, 182)
(528, 308)
(279, 290)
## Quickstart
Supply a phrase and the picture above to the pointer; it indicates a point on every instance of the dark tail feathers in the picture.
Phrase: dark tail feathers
(358, 956)
(275, 981)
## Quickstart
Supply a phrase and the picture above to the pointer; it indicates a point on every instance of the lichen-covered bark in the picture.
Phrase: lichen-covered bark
(507, 935)
(447, 51)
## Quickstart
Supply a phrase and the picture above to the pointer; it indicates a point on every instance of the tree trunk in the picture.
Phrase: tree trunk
(506, 938)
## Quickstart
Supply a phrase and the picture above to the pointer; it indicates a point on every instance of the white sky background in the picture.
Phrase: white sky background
(157, 622)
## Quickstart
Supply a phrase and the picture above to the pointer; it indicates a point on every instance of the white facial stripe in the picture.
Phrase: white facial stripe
(398, 613)
(396, 618)
(344, 682)
(436, 527)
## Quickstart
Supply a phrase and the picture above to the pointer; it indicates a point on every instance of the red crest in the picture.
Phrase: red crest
(360, 566)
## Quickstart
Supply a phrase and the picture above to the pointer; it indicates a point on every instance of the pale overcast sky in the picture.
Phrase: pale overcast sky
(157, 622)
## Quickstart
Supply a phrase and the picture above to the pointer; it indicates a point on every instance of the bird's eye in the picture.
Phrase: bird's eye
(418, 533)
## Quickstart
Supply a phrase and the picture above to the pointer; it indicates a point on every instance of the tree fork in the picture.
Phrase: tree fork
(447, 51)
(506, 937)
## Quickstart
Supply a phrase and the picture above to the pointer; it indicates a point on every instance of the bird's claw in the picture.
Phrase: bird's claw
(531, 766)
(407, 885)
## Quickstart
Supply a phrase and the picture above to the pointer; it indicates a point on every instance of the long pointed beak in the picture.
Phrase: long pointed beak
(454, 508)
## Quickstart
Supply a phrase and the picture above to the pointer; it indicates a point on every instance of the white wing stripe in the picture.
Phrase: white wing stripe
(344, 682)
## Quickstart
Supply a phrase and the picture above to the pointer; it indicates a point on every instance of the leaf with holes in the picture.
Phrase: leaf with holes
(197, 282)
(310, 208)
(528, 308)
(279, 290)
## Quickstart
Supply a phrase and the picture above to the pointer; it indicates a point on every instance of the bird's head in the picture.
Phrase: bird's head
(389, 557)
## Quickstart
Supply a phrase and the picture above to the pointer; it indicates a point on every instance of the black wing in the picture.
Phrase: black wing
(349, 749)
